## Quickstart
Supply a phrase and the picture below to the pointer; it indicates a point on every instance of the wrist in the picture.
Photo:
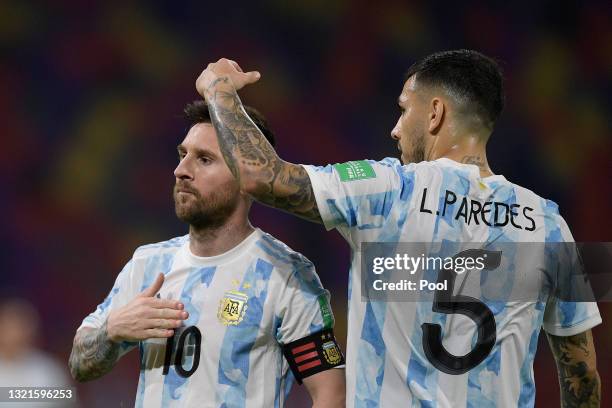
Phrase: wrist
(213, 83)
(109, 333)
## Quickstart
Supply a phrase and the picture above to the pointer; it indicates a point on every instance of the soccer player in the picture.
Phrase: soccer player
(222, 314)
(442, 191)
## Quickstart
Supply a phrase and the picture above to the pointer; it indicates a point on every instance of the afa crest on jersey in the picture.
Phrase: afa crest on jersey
(331, 352)
(232, 307)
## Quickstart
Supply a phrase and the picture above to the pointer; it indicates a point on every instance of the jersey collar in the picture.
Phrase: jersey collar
(472, 168)
(240, 249)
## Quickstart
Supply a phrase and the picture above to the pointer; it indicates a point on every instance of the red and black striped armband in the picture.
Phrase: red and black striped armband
(313, 354)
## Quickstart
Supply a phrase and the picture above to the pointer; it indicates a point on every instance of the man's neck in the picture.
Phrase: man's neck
(476, 158)
(463, 146)
(211, 241)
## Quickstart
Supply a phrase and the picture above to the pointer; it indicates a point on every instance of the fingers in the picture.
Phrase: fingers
(157, 303)
(166, 314)
(235, 65)
(252, 77)
(157, 333)
(154, 288)
(249, 77)
(165, 324)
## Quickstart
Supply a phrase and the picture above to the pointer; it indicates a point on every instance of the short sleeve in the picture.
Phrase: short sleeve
(564, 314)
(120, 294)
(562, 318)
(303, 306)
(353, 193)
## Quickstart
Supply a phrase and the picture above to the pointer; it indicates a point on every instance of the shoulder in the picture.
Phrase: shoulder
(291, 268)
(390, 162)
(554, 225)
(557, 229)
(280, 255)
(421, 170)
(159, 248)
(547, 208)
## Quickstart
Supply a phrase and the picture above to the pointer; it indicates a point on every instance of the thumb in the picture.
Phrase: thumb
(252, 77)
(154, 288)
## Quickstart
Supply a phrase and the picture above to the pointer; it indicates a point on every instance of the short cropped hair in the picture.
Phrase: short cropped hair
(197, 112)
(474, 79)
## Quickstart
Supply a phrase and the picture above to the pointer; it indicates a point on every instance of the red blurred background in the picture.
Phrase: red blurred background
(91, 96)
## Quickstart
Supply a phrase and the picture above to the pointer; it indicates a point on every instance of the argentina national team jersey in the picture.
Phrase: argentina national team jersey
(430, 202)
(243, 305)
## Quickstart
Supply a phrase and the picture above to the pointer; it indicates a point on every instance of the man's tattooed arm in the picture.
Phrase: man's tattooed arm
(252, 159)
(576, 365)
(93, 354)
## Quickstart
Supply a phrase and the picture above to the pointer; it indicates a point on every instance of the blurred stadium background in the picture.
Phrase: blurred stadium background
(91, 96)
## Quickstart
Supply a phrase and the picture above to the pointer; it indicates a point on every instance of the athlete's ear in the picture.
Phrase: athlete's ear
(436, 115)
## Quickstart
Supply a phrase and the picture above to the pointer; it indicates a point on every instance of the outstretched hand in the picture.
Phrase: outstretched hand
(224, 70)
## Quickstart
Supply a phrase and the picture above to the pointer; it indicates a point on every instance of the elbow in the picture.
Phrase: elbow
(79, 376)
(73, 367)
(76, 369)
(76, 376)
(74, 373)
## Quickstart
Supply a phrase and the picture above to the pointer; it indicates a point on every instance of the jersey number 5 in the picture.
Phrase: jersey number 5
(445, 302)
(193, 346)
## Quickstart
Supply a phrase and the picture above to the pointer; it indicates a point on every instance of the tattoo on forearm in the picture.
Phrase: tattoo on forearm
(302, 201)
(580, 386)
(249, 155)
(93, 354)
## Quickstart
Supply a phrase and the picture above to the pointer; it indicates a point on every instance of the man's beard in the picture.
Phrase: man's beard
(205, 213)
(417, 148)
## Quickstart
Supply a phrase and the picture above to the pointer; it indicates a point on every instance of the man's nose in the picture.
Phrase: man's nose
(182, 171)
(395, 132)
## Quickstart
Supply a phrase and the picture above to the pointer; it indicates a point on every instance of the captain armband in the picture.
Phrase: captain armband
(313, 354)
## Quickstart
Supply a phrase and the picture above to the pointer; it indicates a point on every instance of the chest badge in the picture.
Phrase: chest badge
(232, 307)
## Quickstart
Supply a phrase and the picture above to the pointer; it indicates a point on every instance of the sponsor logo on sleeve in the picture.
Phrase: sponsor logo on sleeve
(355, 170)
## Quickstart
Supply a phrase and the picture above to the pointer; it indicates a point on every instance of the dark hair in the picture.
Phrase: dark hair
(475, 79)
(197, 112)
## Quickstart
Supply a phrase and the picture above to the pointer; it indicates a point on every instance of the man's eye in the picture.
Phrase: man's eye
(204, 159)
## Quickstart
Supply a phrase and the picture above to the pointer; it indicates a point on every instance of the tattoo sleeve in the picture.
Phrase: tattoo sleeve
(253, 161)
(576, 364)
(93, 354)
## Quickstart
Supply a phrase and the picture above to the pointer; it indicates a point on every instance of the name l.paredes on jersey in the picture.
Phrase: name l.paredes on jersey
(490, 213)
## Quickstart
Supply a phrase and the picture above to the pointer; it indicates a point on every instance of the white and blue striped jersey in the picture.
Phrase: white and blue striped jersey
(243, 305)
(385, 201)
